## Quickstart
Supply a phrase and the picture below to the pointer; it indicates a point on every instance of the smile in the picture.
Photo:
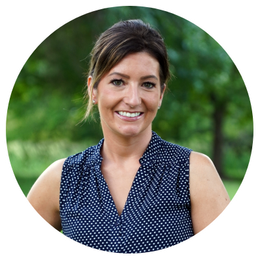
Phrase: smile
(127, 114)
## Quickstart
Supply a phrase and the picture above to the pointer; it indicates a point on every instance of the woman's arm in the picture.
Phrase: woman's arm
(208, 194)
(44, 194)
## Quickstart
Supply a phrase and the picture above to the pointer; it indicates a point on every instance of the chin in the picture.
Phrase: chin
(129, 133)
(132, 131)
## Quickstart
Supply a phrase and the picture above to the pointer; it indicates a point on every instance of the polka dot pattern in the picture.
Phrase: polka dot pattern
(157, 211)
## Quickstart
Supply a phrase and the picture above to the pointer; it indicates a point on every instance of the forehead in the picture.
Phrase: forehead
(139, 63)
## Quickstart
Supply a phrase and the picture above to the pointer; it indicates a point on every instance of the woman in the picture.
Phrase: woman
(133, 192)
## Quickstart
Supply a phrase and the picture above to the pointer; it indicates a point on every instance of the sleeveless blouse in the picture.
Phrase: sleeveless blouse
(157, 211)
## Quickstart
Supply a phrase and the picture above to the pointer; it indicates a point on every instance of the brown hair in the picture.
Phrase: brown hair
(117, 42)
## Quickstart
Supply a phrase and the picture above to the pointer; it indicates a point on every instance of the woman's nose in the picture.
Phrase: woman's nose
(132, 97)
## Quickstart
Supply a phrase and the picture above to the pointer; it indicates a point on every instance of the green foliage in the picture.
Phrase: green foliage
(30, 159)
(46, 104)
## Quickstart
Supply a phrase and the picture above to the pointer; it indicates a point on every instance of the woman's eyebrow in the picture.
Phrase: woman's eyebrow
(119, 74)
(148, 77)
(128, 77)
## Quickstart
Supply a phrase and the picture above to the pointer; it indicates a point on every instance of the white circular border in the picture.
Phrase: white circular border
(162, 7)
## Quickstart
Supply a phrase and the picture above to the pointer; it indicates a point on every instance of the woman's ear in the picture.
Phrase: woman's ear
(162, 93)
(91, 92)
(89, 86)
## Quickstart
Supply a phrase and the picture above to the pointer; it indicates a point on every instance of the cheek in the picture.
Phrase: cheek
(105, 92)
(152, 102)
(106, 102)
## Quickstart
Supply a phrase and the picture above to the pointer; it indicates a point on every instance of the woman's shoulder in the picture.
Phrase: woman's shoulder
(52, 174)
(203, 173)
(44, 194)
(207, 192)
(175, 151)
(197, 160)
(82, 161)
(201, 164)
(90, 154)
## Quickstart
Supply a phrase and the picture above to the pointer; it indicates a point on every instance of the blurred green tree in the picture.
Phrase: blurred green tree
(206, 107)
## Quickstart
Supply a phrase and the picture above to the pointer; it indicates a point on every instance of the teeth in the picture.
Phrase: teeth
(128, 114)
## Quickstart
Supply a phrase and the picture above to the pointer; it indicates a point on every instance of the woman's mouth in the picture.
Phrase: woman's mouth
(129, 116)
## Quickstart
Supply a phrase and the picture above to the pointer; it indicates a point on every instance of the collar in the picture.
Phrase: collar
(151, 153)
(149, 156)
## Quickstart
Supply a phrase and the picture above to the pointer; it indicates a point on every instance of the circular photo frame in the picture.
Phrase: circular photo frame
(198, 41)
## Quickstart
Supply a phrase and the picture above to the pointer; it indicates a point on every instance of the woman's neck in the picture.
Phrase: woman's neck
(119, 149)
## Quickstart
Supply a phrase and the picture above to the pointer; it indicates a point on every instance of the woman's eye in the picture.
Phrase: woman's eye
(117, 82)
(149, 85)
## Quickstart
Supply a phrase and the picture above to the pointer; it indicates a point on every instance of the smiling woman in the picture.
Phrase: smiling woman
(124, 95)
(133, 192)
(110, 49)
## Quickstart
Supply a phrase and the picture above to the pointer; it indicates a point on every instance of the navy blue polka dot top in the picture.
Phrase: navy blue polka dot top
(157, 211)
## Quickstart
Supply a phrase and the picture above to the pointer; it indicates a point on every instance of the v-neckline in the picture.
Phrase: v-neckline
(143, 163)
(112, 202)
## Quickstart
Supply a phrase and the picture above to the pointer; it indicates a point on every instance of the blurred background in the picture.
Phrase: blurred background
(206, 107)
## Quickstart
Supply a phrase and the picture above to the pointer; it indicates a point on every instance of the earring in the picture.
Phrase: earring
(94, 102)
(159, 107)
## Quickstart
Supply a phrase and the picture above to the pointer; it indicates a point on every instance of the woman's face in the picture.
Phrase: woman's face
(129, 95)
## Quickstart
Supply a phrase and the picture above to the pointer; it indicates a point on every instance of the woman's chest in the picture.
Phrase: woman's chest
(119, 181)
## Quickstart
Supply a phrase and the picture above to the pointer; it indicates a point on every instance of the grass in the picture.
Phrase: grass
(231, 187)
(25, 184)
(30, 159)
